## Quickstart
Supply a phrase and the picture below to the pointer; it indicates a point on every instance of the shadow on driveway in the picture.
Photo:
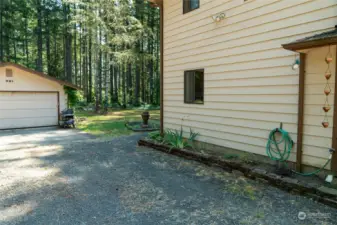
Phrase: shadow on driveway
(67, 178)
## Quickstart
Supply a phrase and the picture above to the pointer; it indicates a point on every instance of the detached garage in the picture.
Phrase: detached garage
(29, 98)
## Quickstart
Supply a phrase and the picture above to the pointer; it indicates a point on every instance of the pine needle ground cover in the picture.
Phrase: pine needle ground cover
(113, 123)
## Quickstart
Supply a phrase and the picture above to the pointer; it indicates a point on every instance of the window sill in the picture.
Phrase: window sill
(190, 10)
(194, 103)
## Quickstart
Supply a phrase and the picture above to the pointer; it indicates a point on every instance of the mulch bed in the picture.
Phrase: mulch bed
(285, 183)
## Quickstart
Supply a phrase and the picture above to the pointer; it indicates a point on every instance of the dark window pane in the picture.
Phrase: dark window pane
(194, 4)
(189, 87)
(186, 6)
(199, 86)
(189, 5)
(194, 86)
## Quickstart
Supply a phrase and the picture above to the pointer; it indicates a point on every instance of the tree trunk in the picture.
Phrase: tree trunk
(48, 45)
(137, 84)
(97, 90)
(26, 42)
(14, 49)
(116, 83)
(68, 40)
(124, 85)
(89, 99)
(106, 83)
(112, 97)
(130, 83)
(152, 55)
(75, 49)
(39, 62)
(1, 32)
(100, 66)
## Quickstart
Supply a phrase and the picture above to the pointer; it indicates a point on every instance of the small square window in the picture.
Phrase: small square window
(190, 5)
(194, 86)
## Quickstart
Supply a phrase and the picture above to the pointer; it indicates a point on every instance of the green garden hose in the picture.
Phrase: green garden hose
(282, 155)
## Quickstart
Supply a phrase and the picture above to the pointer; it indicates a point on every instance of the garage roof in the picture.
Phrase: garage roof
(157, 1)
(40, 74)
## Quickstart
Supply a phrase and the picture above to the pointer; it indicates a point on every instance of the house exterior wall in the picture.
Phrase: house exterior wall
(25, 81)
(250, 86)
(316, 139)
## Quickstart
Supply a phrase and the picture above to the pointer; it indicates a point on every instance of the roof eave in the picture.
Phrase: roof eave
(40, 74)
(300, 45)
(156, 2)
(70, 85)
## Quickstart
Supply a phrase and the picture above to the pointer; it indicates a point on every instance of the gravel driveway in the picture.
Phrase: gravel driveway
(54, 179)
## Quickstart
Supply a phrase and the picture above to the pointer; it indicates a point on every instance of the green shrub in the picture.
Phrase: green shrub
(74, 96)
(175, 138)
(155, 135)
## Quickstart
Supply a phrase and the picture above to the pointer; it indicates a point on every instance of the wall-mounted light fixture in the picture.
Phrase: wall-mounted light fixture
(296, 64)
(218, 17)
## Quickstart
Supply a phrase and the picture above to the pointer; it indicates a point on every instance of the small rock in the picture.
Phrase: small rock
(237, 173)
(261, 180)
(273, 178)
(289, 180)
(259, 171)
(326, 190)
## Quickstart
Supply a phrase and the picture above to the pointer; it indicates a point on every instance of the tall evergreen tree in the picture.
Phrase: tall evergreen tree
(107, 47)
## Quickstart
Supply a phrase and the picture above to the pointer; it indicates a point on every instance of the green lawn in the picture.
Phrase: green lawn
(112, 124)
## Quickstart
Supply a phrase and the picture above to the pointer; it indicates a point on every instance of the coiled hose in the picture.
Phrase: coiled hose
(282, 155)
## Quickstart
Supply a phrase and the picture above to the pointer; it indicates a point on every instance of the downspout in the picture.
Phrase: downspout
(300, 115)
(334, 129)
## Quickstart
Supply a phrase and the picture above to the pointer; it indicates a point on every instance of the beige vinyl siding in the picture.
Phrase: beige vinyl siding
(25, 81)
(317, 140)
(250, 86)
(27, 109)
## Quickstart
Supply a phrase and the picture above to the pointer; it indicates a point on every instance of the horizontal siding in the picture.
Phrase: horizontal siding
(242, 142)
(318, 139)
(293, 16)
(250, 86)
(224, 42)
(230, 60)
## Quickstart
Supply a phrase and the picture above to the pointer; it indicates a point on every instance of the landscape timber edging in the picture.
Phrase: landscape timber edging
(285, 183)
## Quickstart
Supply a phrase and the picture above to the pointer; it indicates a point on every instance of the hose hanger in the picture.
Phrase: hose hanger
(275, 153)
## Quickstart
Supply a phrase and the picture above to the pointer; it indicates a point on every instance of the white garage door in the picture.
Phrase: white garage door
(28, 109)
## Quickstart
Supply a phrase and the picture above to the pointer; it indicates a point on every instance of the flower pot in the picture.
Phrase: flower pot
(325, 124)
(327, 91)
(327, 75)
(326, 108)
(328, 59)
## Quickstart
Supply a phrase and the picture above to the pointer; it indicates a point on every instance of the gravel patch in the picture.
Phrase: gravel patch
(94, 181)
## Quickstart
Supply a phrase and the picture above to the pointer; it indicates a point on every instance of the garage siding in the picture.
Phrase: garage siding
(28, 100)
(28, 109)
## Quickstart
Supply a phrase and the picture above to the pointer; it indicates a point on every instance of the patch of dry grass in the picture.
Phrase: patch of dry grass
(112, 123)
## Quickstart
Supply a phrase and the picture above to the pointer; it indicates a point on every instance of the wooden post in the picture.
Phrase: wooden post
(334, 129)
(300, 115)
